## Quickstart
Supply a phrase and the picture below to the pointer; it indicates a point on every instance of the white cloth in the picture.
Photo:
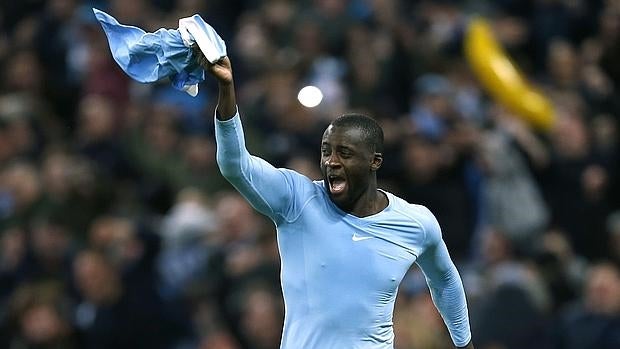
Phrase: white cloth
(195, 30)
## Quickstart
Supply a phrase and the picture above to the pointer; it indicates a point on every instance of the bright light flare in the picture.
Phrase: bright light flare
(310, 96)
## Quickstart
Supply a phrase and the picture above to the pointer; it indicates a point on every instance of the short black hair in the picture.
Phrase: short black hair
(370, 128)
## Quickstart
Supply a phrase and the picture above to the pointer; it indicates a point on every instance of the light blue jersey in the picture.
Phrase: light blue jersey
(340, 273)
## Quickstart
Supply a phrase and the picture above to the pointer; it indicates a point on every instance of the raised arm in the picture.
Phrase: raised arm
(269, 190)
(445, 284)
(227, 102)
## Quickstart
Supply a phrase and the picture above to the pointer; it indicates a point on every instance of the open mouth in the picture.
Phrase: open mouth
(337, 184)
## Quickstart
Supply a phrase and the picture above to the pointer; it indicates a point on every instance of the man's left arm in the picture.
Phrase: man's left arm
(446, 287)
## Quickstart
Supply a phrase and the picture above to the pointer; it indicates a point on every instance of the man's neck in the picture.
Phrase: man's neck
(371, 202)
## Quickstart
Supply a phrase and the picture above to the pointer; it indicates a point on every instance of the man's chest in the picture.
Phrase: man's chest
(342, 256)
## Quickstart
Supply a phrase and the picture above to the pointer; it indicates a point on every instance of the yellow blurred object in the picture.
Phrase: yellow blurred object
(501, 78)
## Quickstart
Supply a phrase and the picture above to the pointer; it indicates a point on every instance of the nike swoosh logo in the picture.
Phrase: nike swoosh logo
(355, 237)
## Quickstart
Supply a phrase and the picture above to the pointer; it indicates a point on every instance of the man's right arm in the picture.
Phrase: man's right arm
(227, 102)
(268, 189)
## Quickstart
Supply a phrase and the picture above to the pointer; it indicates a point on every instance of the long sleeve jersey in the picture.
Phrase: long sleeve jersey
(340, 273)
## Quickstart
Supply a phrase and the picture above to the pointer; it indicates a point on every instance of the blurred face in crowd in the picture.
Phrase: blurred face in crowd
(422, 159)
(220, 340)
(12, 247)
(50, 242)
(199, 152)
(40, 316)
(23, 72)
(495, 247)
(236, 217)
(161, 130)
(602, 293)
(570, 136)
(262, 319)
(55, 173)
(96, 278)
(96, 120)
(562, 63)
(130, 11)
(42, 324)
(21, 136)
(116, 237)
(23, 183)
(305, 166)
(62, 9)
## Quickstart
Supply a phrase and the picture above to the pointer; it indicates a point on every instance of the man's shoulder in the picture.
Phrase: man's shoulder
(405, 207)
(408, 223)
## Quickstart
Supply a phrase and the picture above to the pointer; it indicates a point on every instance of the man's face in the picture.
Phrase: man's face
(347, 165)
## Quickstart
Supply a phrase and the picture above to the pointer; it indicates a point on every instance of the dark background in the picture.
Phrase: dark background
(117, 230)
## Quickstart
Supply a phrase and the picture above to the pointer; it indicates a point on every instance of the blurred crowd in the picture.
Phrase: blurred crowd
(117, 230)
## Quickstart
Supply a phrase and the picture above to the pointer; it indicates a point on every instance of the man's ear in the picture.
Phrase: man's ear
(377, 160)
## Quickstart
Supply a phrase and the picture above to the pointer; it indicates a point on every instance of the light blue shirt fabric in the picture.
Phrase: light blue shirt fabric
(340, 273)
(149, 57)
